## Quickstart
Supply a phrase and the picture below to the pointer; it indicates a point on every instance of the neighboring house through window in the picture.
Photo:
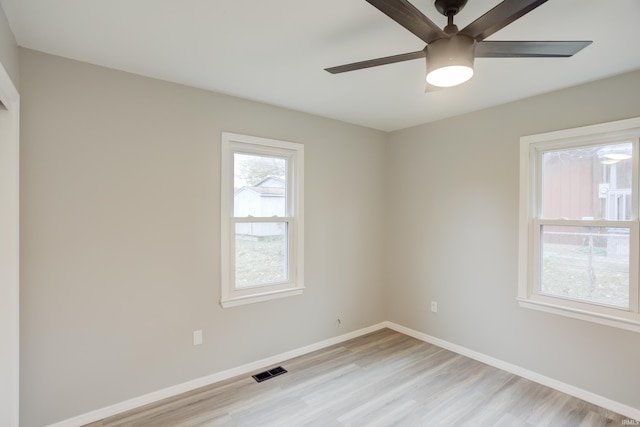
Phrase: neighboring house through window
(261, 219)
(579, 207)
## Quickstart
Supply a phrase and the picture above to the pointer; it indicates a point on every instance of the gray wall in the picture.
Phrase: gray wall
(9, 218)
(8, 49)
(120, 236)
(453, 238)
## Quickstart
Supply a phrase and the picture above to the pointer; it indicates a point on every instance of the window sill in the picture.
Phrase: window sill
(602, 319)
(254, 298)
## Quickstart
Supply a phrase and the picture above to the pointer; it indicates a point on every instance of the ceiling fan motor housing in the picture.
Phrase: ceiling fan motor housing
(449, 7)
(455, 50)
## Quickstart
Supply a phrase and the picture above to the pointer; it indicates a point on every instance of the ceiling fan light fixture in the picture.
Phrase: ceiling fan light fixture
(450, 61)
(452, 75)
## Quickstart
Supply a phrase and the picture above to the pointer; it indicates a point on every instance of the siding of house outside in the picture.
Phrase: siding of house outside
(265, 199)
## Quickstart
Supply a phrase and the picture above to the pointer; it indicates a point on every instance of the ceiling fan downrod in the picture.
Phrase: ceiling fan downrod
(450, 8)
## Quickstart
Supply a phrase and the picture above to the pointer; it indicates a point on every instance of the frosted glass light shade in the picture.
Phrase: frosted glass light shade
(450, 61)
(452, 75)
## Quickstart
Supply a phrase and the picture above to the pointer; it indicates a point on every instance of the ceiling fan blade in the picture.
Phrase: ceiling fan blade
(375, 62)
(499, 17)
(407, 15)
(529, 49)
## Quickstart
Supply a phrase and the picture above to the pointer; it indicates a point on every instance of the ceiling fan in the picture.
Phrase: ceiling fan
(450, 52)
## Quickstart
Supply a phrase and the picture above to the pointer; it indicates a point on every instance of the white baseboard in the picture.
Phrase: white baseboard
(93, 416)
(627, 411)
(156, 396)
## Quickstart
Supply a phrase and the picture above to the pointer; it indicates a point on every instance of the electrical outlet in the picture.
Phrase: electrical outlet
(197, 337)
(434, 306)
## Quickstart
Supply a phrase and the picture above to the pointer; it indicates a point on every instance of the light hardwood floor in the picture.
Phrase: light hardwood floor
(381, 379)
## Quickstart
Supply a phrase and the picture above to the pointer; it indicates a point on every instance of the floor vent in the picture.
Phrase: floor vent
(262, 376)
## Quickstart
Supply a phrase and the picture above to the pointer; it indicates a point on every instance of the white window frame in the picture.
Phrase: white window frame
(294, 153)
(531, 220)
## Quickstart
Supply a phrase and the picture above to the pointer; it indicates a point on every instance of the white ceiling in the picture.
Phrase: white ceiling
(275, 51)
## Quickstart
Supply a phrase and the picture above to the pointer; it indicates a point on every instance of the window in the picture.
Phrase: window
(579, 228)
(261, 219)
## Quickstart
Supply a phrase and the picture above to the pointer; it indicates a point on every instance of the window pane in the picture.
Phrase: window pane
(261, 253)
(592, 182)
(259, 185)
(586, 263)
